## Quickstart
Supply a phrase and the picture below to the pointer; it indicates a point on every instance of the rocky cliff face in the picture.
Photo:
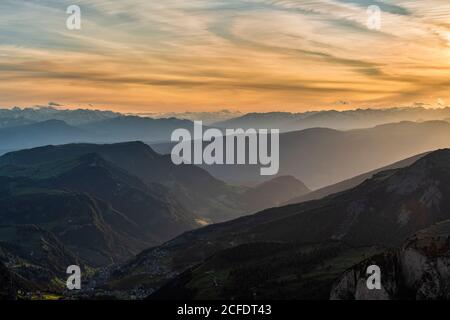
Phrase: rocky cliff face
(420, 270)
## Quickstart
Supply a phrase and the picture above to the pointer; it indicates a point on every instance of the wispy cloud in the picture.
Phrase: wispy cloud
(141, 55)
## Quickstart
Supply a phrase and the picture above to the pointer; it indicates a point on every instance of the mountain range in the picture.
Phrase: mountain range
(118, 129)
(322, 237)
(20, 116)
(334, 119)
(320, 157)
(95, 205)
(285, 121)
(352, 182)
(142, 227)
(131, 128)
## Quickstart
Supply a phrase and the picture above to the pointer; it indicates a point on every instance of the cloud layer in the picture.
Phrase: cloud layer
(201, 55)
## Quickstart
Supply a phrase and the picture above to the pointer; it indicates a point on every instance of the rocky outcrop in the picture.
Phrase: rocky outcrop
(420, 269)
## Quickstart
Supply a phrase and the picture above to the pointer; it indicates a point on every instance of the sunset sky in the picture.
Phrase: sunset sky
(206, 55)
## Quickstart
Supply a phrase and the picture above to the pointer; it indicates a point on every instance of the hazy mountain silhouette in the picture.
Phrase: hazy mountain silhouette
(98, 204)
(321, 157)
(207, 117)
(14, 122)
(44, 113)
(333, 119)
(352, 182)
(131, 128)
(27, 134)
(318, 157)
(274, 192)
(40, 133)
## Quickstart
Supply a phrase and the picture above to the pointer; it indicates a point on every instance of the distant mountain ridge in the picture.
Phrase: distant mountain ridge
(111, 130)
(44, 113)
(98, 205)
(275, 192)
(334, 119)
(131, 128)
(110, 127)
(352, 182)
(320, 157)
(40, 126)
(41, 133)
(285, 121)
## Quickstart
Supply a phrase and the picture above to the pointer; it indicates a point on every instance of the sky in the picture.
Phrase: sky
(208, 55)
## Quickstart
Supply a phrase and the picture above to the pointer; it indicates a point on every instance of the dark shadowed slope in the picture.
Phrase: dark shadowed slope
(192, 186)
(11, 283)
(419, 269)
(36, 255)
(101, 204)
(384, 210)
(211, 199)
(97, 209)
(269, 270)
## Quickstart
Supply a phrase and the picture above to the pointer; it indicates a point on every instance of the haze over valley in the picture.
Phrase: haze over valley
(230, 150)
(93, 184)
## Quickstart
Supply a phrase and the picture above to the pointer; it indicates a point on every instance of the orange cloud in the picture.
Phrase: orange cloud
(206, 55)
